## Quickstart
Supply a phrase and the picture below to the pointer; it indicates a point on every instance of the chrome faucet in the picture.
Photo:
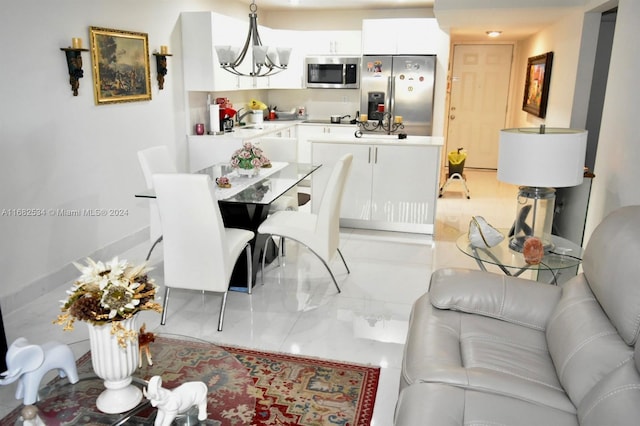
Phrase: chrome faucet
(239, 116)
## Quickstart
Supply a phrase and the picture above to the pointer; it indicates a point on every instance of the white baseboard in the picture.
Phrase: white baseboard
(68, 273)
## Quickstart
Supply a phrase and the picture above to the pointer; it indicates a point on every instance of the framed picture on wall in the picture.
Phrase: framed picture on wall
(536, 86)
(120, 66)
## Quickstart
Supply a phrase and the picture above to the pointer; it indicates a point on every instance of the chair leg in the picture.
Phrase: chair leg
(264, 256)
(222, 306)
(165, 302)
(343, 261)
(249, 269)
(153, 246)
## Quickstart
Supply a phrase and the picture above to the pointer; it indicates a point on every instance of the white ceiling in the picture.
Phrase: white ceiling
(462, 19)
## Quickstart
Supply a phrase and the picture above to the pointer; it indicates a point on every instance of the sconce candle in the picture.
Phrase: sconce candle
(164, 50)
(364, 117)
(398, 119)
(76, 43)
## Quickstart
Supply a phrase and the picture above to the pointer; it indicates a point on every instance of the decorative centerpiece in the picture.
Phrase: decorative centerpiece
(107, 296)
(249, 159)
(223, 182)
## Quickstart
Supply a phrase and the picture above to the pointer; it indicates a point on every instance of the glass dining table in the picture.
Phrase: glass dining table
(247, 202)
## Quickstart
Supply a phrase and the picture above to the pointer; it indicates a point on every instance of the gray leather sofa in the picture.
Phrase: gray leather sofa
(488, 349)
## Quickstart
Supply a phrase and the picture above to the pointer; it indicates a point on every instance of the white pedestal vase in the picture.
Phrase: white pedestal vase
(248, 172)
(115, 364)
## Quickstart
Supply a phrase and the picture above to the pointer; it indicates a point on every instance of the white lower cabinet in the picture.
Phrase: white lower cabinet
(390, 187)
(310, 131)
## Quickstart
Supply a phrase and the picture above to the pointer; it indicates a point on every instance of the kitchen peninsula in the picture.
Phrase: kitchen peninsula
(393, 183)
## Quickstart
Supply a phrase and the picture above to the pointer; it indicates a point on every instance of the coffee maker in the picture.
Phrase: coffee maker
(226, 124)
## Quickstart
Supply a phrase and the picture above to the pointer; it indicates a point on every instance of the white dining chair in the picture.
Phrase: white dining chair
(199, 252)
(286, 150)
(320, 232)
(155, 160)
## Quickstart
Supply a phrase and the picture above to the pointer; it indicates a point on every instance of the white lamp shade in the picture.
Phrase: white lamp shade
(224, 54)
(552, 159)
(284, 53)
(260, 54)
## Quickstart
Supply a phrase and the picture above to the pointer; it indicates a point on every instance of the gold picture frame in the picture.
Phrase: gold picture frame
(120, 66)
(536, 86)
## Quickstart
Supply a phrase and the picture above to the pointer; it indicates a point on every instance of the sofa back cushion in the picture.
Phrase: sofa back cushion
(595, 324)
(610, 263)
(582, 342)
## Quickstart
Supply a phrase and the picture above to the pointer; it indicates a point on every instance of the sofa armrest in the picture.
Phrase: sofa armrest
(516, 300)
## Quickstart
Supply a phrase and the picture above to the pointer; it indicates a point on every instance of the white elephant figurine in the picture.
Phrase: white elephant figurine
(28, 363)
(170, 403)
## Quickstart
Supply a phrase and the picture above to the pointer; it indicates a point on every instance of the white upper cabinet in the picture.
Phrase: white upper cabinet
(201, 32)
(292, 77)
(333, 42)
(413, 36)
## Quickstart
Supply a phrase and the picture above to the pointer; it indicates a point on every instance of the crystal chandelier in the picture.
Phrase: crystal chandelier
(263, 63)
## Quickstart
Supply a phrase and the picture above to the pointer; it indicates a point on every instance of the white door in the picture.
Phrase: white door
(478, 104)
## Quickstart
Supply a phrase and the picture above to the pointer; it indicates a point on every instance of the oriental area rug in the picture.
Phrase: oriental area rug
(246, 387)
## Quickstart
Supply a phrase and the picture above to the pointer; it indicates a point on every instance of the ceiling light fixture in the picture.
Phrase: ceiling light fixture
(494, 33)
(263, 61)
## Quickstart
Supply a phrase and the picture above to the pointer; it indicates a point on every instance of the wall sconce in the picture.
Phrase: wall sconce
(161, 65)
(74, 63)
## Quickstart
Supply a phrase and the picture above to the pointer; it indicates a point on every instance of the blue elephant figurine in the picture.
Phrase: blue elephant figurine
(28, 363)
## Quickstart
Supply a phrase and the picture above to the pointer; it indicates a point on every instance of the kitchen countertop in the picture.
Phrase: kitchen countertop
(250, 131)
(381, 139)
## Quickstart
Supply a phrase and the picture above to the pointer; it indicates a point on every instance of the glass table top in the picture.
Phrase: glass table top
(177, 359)
(264, 188)
(565, 254)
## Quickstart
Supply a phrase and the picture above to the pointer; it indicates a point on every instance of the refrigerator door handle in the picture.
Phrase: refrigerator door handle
(390, 99)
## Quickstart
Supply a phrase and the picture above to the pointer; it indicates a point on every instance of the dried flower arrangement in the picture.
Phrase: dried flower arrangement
(109, 293)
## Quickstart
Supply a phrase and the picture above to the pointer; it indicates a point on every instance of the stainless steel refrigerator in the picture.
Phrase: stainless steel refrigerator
(402, 86)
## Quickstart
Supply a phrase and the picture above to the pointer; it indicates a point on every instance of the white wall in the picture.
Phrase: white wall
(616, 167)
(58, 151)
(563, 39)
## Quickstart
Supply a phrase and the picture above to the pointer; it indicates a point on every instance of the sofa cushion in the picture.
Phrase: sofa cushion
(434, 404)
(609, 262)
(583, 343)
(479, 352)
(507, 298)
(615, 400)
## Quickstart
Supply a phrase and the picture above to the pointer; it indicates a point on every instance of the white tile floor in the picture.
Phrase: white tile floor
(298, 310)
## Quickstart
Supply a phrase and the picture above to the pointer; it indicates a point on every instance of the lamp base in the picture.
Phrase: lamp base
(534, 218)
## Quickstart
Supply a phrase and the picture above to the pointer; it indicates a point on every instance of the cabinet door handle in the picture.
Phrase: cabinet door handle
(369, 160)
(376, 157)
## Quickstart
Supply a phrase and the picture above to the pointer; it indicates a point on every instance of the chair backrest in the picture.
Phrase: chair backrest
(194, 238)
(279, 149)
(594, 326)
(155, 160)
(328, 222)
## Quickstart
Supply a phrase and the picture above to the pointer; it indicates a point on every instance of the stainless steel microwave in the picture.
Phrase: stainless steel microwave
(332, 72)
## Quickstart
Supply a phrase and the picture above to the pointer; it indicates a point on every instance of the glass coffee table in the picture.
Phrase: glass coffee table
(564, 255)
(177, 359)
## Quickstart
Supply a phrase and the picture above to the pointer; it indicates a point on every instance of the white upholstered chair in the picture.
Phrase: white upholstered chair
(199, 252)
(282, 149)
(320, 232)
(155, 160)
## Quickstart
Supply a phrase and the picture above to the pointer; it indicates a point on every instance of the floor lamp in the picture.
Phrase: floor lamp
(539, 160)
